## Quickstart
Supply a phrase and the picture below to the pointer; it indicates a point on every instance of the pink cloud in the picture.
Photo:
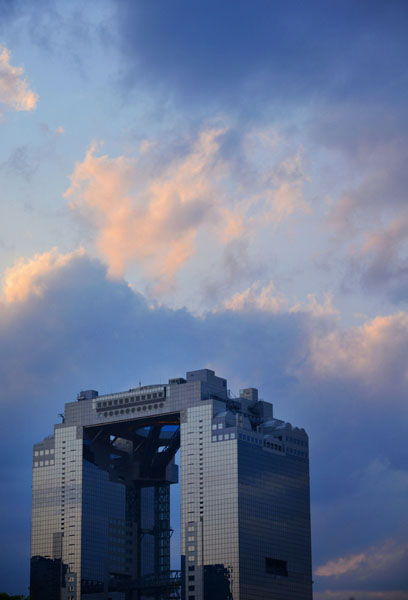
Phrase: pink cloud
(266, 298)
(365, 564)
(257, 298)
(340, 566)
(14, 88)
(151, 215)
(27, 275)
(369, 353)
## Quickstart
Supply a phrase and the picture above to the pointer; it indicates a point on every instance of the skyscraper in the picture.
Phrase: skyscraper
(101, 502)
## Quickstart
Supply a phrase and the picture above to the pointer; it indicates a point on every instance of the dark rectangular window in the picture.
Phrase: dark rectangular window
(191, 577)
(276, 567)
(191, 568)
(191, 588)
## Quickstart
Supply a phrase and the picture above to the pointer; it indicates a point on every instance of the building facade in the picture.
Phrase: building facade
(101, 497)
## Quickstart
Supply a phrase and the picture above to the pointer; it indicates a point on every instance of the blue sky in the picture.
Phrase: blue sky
(223, 185)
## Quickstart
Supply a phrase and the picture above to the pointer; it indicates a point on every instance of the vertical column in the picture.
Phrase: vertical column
(162, 529)
(68, 456)
(195, 440)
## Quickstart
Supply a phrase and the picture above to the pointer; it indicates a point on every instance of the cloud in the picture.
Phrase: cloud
(381, 261)
(386, 560)
(368, 214)
(372, 353)
(266, 298)
(317, 309)
(30, 276)
(149, 209)
(257, 297)
(70, 327)
(247, 58)
(339, 566)
(15, 92)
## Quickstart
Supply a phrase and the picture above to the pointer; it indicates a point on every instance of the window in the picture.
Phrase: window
(219, 425)
(191, 588)
(191, 577)
(214, 426)
(276, 567)
(191, 568)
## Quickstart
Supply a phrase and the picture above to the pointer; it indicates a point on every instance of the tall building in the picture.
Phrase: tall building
(101, 509)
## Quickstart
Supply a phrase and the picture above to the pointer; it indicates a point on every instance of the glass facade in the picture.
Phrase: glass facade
(101, 499)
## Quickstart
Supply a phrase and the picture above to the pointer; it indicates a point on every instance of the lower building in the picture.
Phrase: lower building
(101, 497)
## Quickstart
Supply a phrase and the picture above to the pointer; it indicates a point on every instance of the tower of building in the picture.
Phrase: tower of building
(101, 497)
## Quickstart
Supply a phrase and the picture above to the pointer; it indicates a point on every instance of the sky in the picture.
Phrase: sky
(218, 184)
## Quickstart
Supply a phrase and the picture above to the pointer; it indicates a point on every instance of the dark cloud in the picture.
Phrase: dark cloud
(249, 53)
(86, 331)
(332, 75)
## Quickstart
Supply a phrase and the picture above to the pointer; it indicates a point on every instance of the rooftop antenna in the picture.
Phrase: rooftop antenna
(62, 417)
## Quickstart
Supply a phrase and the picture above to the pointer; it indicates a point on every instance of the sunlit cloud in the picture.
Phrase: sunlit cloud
(316, 308)
(363, 565)
(151, 214)
(266, 298)
(367, 353)
(341, 565)
(257, 297)
(15, 91)
(28, 276)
